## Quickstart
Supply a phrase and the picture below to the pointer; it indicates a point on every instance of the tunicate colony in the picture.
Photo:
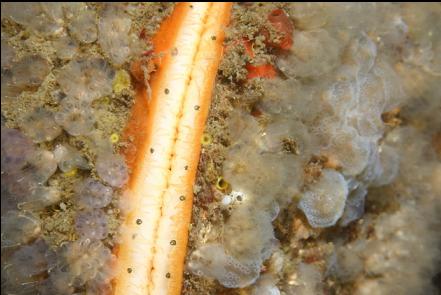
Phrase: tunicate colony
(35, 152)
(346, 71)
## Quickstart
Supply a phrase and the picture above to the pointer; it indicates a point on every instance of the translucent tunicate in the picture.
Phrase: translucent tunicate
(15, 150)
(83, 26)
(8, 54)
(112, 169)
(351, 150)
(362, 53)
(308, 15)
(315, 53)
(41, 18)
(40, 125)
(40, 197)
(114, 26)
(69, 158)
(354, 208)
(86, 78)
(323, 203)
(29, 72)
(75, 116)
(389, 162)
(91, 224)
(19, 228)
(266, 285)
(65, 47)
(83, 260)
(92, 194)
(40, 166)
(27, 262)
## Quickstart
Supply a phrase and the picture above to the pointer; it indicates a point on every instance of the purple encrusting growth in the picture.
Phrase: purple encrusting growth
(92, 194)
(112, 169)
(62, 104)
(91, 224)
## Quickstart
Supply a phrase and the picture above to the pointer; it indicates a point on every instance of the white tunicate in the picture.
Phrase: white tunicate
(19, 228)
(114, 26)
(40, 125)
(75, 116)
(112, 169)
(86, 78)
(91, 224)
(285, 179)
(315, 53)
(65, 47)
(351, 150)
(324, 201)
(93, 194)
(390, 164)
(83, 26)
(69, 158)
(362, 53)
(212, 261)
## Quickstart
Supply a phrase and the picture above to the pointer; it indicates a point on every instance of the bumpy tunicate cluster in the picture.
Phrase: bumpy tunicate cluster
(114, 27)
(93, 194)
(112, 169)
(40, 125)
(19, 228)
(86, 260)
(72, 266)
(25, 266)
(69, 158)
(25, 171)
(25, 74)
(75, 116)
(41, 18)
(316, 138)
(65, 47)
(83, 26)
(91, 224)
(86, 78)
(60, 170)
(30, 71)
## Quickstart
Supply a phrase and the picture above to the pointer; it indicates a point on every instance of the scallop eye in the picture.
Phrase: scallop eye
(222, 184)
(206, 139)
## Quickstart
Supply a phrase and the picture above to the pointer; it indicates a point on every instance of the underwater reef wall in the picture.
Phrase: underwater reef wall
(320, 170)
